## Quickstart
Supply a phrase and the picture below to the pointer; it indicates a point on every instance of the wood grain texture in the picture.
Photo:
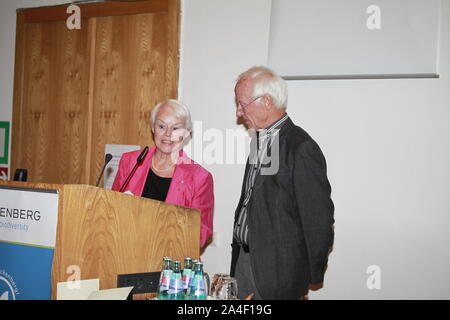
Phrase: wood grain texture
(76, 91)
(107, 233)
(90, 10)
(92, 29)
(173, 49)
(32, 185)
(130, 79)
(72, 102)
(17, 118)
(50, 109)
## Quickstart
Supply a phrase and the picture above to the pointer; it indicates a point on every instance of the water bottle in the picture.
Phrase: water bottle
(176, 291)
(164, 280)
(187, 273)
(197, 290)
(191, 278)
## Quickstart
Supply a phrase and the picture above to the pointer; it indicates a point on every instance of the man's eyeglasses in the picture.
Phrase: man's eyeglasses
(240, 105)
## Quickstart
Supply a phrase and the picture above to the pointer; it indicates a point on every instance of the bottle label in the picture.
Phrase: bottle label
(186, 279)
(165, 283)
(176, 286)
(199, 288)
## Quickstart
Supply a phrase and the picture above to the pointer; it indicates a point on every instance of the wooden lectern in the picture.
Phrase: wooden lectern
(107, 233)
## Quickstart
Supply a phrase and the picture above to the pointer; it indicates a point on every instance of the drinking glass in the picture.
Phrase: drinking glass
(207, 284)
(216, 280)
(227, 289)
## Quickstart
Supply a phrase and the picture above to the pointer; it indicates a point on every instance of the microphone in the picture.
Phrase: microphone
(138, 162)
(142, 155)
(21, 175)
(108, 158)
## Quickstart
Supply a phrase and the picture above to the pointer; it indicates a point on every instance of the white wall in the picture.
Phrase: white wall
(387, 144)
(220, 39)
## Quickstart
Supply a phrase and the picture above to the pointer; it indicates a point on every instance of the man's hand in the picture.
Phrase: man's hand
(316, 286)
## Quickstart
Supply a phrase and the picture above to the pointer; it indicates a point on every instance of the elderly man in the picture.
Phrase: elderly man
(283, 229)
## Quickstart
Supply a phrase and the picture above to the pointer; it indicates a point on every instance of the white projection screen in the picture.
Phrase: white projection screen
(320, 39)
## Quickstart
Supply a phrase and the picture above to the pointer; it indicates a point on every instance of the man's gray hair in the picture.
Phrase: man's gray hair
(265, 81)
(181, 111)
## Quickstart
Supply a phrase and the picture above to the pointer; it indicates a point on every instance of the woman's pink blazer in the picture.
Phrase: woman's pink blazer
(192, 186)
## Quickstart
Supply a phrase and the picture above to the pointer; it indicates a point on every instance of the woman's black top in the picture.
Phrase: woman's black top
(156, 187)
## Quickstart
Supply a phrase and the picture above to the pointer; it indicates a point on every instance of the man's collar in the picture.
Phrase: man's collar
(275, 125)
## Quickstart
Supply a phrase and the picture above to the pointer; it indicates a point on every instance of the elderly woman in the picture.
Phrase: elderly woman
(166, 173)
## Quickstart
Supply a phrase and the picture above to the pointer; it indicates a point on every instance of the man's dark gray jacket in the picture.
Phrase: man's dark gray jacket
(290, 219)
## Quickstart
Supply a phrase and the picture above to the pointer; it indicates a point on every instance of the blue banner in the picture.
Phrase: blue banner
(28, 219)
(25, 272)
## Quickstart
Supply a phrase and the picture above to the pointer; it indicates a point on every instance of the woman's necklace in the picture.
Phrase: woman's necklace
(162, 170)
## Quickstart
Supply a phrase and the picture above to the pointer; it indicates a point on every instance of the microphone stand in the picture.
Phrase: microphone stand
(108, 158)
(138, 162)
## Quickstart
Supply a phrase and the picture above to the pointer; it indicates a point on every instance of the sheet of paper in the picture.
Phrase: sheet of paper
(77, 290)
(111, 294)
(116, 150)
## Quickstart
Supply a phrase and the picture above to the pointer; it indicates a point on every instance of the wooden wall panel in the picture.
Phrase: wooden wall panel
(75, 91)
(173, 50)
(17, 117)
(72, 101)
(54, 103)
(90, 10)
(130, 79)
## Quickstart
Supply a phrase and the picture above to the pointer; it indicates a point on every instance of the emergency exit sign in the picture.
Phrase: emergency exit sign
(4, 142)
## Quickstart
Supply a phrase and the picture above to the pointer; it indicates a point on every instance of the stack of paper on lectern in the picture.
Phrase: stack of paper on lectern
(89, 290)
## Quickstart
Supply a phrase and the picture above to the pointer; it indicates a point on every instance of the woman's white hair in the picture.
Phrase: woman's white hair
(181, 111)
(265, 81)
